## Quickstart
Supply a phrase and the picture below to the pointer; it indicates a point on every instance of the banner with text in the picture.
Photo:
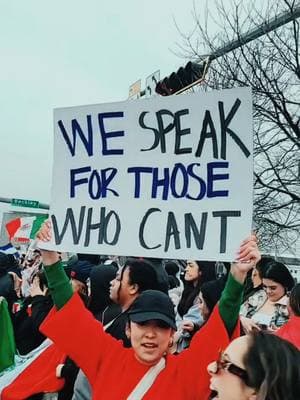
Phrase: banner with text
(164, 177)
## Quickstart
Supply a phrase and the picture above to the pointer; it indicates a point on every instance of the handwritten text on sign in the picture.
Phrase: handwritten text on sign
(164, 177)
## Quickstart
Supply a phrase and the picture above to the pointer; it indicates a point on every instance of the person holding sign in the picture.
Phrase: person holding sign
(153, 373)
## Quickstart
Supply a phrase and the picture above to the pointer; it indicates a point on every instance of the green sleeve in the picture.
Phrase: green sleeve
(58, 283)
(229, 305)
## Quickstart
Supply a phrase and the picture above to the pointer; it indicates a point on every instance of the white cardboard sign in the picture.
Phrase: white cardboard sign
(164, 177)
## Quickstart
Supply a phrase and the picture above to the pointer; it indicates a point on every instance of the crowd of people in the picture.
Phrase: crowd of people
(87, 328)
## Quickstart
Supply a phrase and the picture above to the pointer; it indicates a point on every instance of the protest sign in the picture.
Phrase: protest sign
(164, 177)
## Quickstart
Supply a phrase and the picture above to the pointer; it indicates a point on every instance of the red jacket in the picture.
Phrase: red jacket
(291, 331)
(113, 370)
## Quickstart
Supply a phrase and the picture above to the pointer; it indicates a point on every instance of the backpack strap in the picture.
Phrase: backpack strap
(147, 381)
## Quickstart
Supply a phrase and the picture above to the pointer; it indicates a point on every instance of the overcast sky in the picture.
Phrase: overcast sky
(62, 53)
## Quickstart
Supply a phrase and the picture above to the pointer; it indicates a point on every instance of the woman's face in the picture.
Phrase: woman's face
(228, 385)
(205, 312)
(273, 289)
(150, 340)
(256, 280)
(192, 272)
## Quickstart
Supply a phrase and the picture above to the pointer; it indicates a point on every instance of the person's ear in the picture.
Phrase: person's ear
(171, 340)
(134, 289)
(128, 330)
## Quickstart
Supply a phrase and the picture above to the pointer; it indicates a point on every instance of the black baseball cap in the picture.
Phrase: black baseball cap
(153, 304)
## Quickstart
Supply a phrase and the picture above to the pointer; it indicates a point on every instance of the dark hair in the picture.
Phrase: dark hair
(173, 282)
(262, 265)
(142, 273)
(278, 272)
(171, 268)
(295, 300)
(12, 261)
(191, 291)
(3, 263)
(273, 367)
(212, 291)
(162, 276)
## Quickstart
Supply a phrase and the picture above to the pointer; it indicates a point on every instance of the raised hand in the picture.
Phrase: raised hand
(247, 257)
(44, 235)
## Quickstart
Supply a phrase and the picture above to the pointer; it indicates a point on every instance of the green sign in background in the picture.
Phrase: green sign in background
(25, 203)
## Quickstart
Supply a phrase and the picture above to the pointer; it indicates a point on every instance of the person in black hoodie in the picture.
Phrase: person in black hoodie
(100, 301)
(34, 310)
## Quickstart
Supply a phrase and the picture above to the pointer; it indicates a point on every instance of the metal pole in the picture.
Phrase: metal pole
(253, 34)
(261, 30)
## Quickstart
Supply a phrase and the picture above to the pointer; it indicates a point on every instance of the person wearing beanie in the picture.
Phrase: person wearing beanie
(100, 279)
(79, 273)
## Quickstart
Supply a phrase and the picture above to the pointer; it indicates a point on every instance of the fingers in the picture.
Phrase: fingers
(249, 325)
(188, 326)
(44, 233)
(248, 251)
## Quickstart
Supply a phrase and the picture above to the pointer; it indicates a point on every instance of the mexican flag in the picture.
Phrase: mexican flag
(25, 228)
(7, 340)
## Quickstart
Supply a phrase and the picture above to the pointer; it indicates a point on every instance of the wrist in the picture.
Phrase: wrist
(237, 273)
(49, 257)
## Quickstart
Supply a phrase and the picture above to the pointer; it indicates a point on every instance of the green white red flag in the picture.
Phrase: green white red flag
(24, 229)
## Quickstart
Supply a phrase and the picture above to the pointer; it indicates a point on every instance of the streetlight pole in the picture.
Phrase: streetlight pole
(255, 33)
(264, 28)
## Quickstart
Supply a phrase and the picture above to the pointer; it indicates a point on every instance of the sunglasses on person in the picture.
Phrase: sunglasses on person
(222, 363)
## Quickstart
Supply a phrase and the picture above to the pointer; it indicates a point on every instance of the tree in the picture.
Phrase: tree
(270, 66)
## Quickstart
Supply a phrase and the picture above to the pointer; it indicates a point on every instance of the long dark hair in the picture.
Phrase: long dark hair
(273, 367)
(190, 291)
(278, 272)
